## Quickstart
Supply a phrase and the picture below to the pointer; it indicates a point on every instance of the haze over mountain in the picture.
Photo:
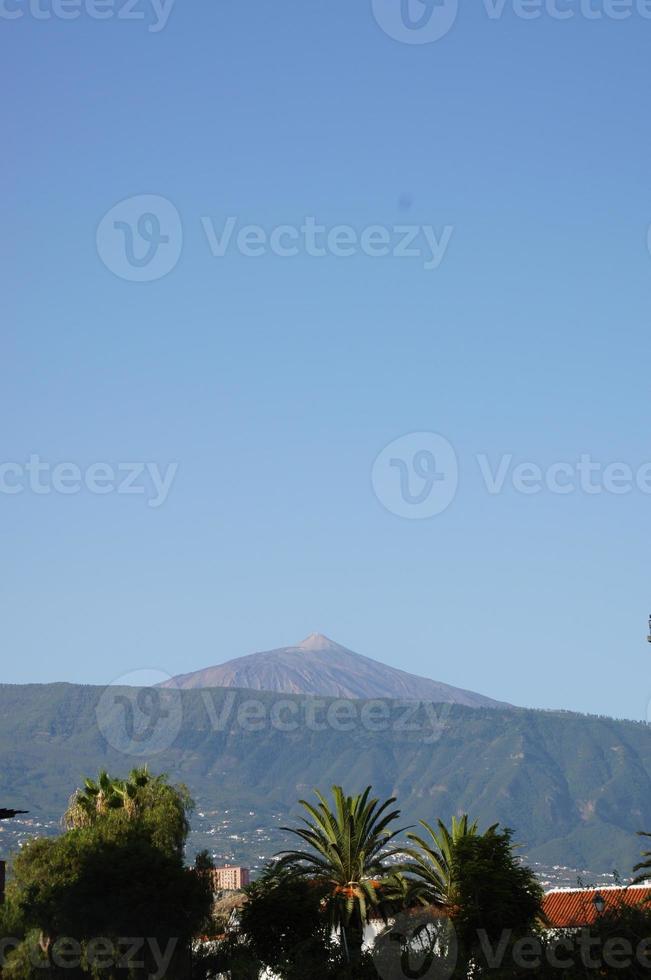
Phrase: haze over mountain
(319, 666)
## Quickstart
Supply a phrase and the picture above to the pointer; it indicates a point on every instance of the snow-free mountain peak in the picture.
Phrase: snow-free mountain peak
(320, 666)
(317, 641)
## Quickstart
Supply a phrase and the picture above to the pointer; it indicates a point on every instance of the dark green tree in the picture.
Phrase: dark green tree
(284, 924)
(120, 875)
(148, 800)
(203, 862)
(498, 899)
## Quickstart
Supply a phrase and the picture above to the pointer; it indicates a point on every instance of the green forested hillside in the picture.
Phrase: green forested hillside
(574, 788)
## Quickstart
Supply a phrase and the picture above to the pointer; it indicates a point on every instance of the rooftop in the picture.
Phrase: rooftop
(566, 908)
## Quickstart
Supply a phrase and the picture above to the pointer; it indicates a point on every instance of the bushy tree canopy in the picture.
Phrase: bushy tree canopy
(116, 874)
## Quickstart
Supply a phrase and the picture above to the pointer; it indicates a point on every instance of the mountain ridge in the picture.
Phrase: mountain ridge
(575, 788)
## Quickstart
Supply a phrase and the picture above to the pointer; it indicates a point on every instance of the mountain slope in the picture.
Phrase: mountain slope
(575, 789)
(319, 666)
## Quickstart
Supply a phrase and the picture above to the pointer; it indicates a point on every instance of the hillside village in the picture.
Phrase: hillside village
(232, 841)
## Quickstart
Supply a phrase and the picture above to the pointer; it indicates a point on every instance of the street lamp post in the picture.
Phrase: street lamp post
(599, 903)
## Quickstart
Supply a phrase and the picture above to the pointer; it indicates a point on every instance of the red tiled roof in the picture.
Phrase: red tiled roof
(569, 908)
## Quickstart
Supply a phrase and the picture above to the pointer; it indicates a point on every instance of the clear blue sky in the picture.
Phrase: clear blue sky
(275, 382)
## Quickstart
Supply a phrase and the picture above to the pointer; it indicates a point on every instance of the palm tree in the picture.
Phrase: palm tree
(130, 791)
(432, 863)
(347, 852)
(96, 797)
(106, 793)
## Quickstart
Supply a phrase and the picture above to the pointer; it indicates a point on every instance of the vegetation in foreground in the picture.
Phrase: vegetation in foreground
(110, 898)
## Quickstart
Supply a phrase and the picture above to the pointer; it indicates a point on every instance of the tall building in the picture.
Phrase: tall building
(230, 879)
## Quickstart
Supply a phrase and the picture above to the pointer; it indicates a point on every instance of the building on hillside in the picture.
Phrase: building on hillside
(230, 879)
(575, 908)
